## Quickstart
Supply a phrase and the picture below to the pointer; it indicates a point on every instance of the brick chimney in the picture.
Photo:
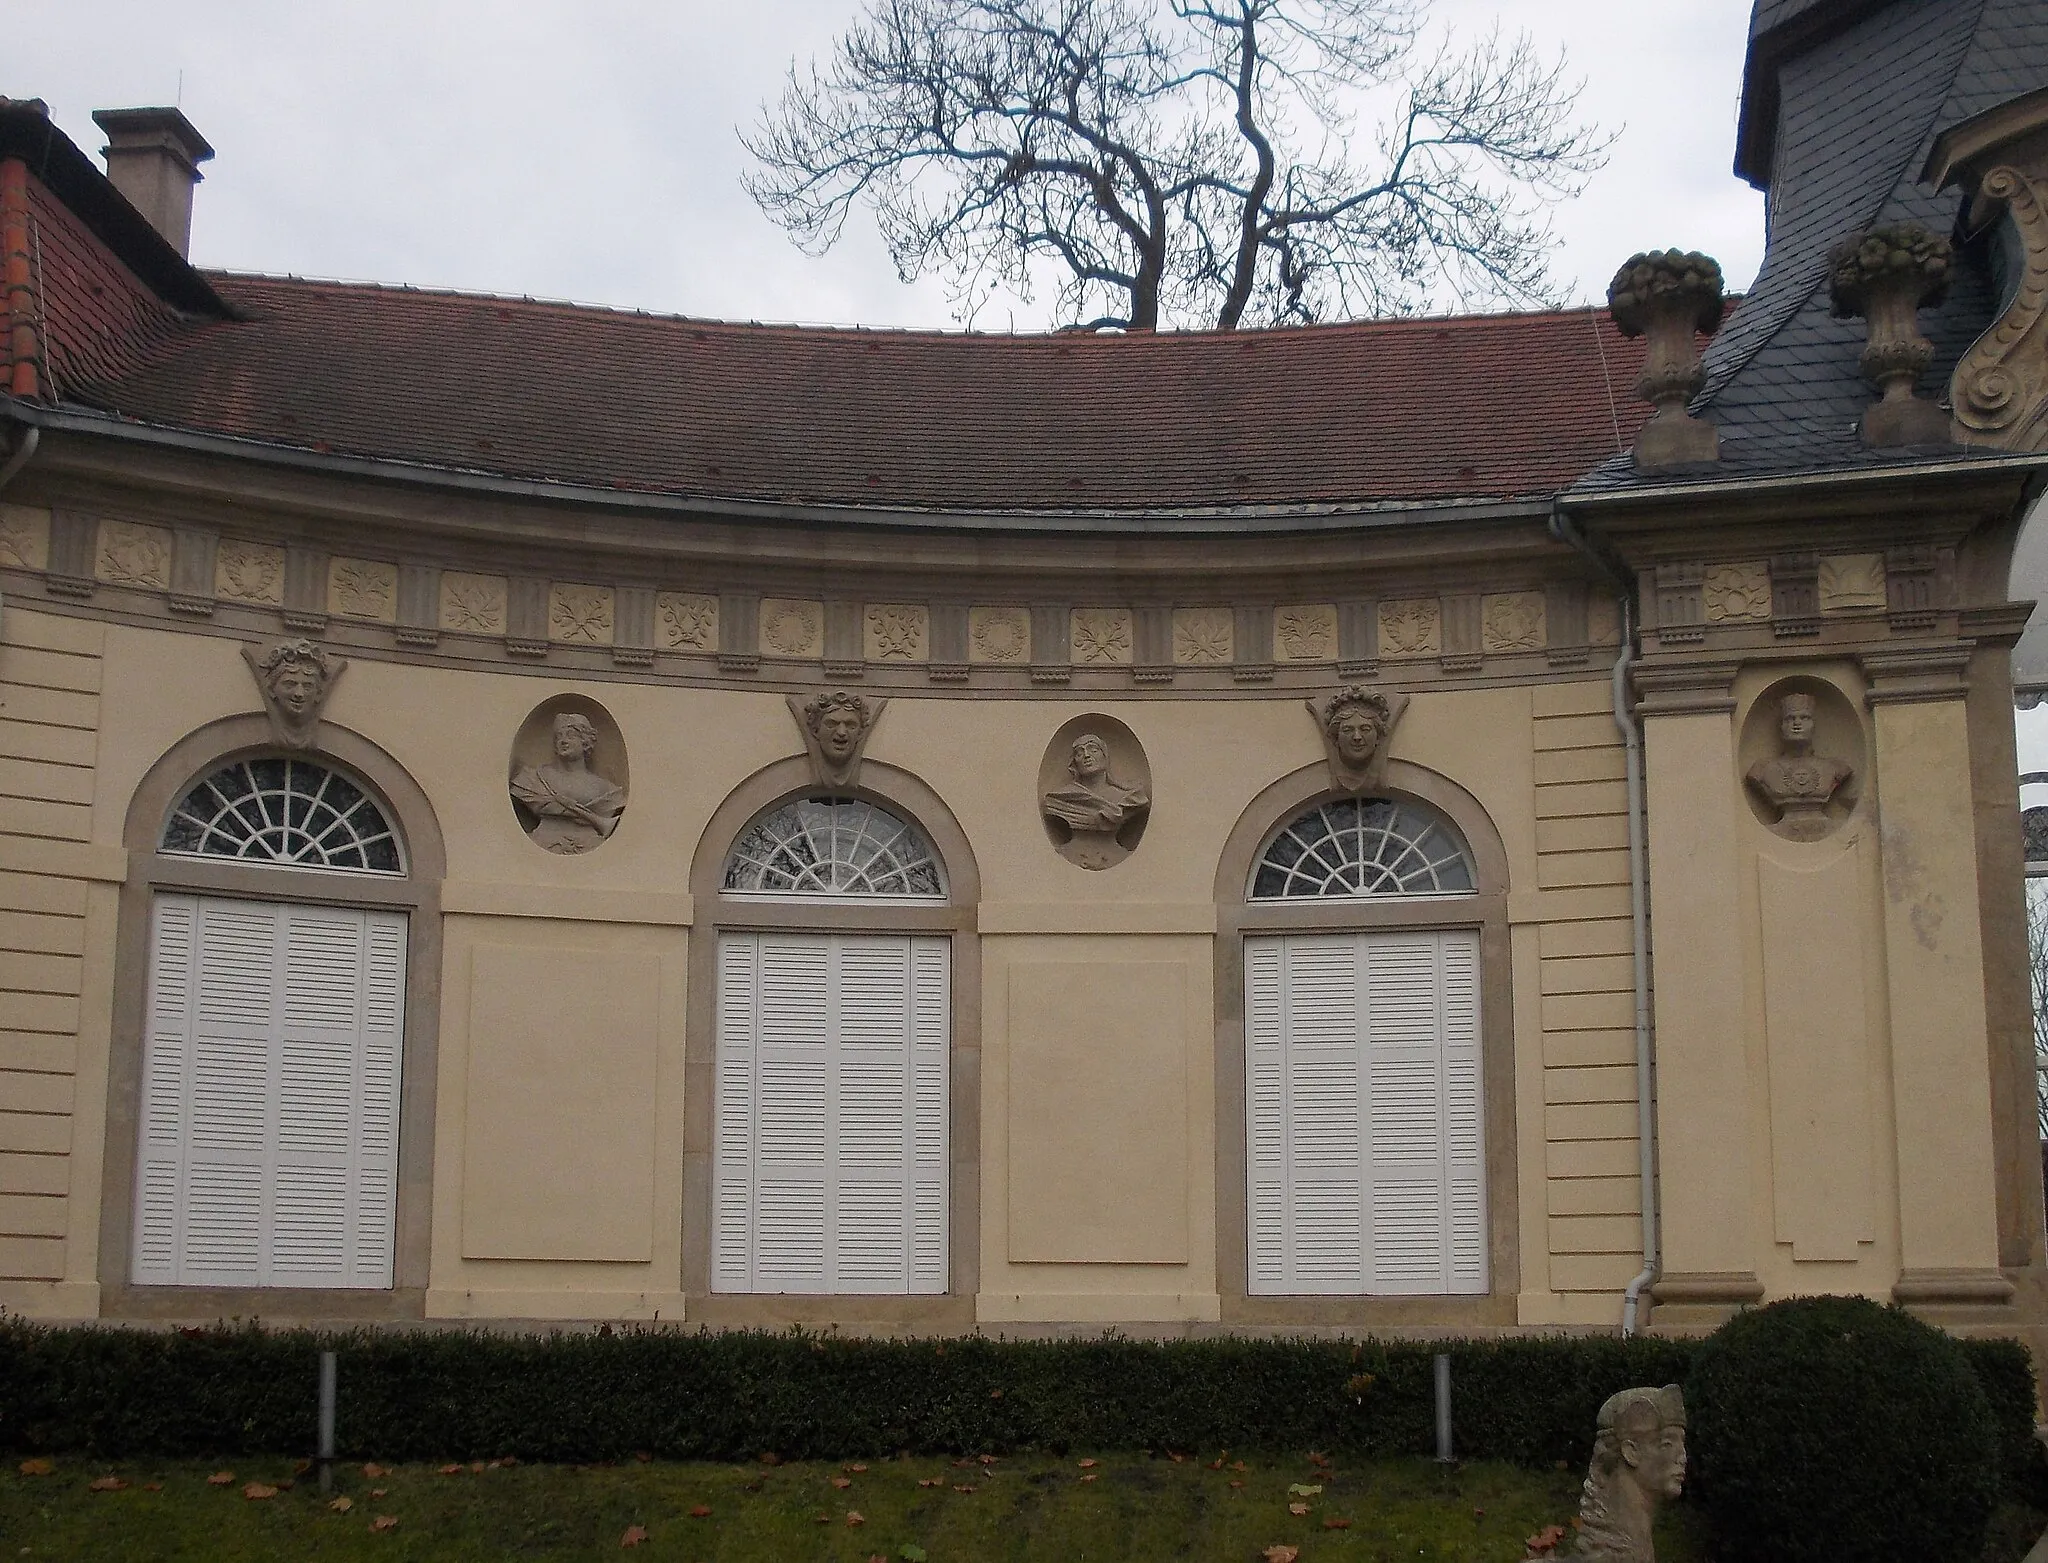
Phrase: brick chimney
(153, 158)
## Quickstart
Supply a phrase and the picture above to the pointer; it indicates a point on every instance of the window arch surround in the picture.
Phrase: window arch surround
(417, 892)
(911, 800)
(1484, 908)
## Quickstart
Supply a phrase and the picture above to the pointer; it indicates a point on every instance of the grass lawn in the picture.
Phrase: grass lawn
(1120, 1509)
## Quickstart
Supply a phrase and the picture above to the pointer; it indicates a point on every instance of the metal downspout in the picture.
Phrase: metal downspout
(1625, 718)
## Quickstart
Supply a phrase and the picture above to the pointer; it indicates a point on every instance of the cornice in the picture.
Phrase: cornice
(1685, 687)
(1908, 675)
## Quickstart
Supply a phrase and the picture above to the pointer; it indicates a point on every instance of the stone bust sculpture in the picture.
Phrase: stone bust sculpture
(1093, 805)
(295, 678)
(835, 728)
(1356, 724)
(1798, 783)
(576, 808)
(1638, 1463)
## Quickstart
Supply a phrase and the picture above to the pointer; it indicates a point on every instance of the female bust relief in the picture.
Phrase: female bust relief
(576, 807)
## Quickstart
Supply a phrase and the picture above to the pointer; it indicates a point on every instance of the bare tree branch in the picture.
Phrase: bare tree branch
(1181, 161)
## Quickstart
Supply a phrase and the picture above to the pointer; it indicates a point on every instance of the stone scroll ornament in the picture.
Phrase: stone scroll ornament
(835, 728)
(295, 677)
(1886, 276)
(574, 807)
(1638, 1464)
(1093, 806)
(1670, 297)
(1798, 783)
(1357, 725)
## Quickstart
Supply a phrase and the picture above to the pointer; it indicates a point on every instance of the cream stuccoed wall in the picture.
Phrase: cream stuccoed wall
(557, 1179)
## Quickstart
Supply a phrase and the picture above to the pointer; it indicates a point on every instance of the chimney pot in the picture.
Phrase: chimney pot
(153, 158)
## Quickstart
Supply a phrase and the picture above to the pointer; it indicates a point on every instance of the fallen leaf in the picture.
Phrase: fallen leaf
(377, 1492)
(1277, 1554)
(855, 1517)
(635, 1534)
(1215, 1465)
(476, 1467)
(1297, 1508)
(1239, 1465)
(701, 1512)
(1304, 1490)
(643, 1456)
(1336, 1525)
(152, 1486)
(342, 1505)
(1546, 1540)
(285, 1485)
(1175, 1458)
(373, 1471)
(857, 1469)
(770, 1457)
(995, 1394)
(1085, 1464)
(38, 1466)
(509, 1460)
(841, 1482)
(302, 1467)
(935, 1481)
(256, 1492)
(1235, 1482)
(913, 1553)
(384, 1522)
(958, 1488)
(221, 1479)
(1088, 1478)
(988, 1459)
(107, 1484)
(822, 1519)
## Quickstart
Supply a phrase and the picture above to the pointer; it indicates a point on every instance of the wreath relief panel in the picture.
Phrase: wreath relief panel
(1094, 791)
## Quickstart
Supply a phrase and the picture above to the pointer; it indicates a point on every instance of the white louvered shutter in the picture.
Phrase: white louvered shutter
(1364, 1135)
(831, 1160)
(270, 1117)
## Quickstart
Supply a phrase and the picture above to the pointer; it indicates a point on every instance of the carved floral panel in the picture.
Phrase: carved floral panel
(580, 615)
(363, 589)
(1512, 621)
(134, 555)
(1851, 581)
(473, 604)
(1603, 621)
(1411, 627)
(1305, 632)
(1101, 636)
(24, 538)
(1733, 593)
(1204, 637)
(999, 635)
(894, 632)
(791, 627)
(686, 621)
(248, 572)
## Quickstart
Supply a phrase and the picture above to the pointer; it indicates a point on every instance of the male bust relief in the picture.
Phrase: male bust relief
(1798, 783)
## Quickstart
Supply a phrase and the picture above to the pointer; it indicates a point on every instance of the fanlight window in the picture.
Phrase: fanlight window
(288, 811)
(833, 846)
(1363, 847)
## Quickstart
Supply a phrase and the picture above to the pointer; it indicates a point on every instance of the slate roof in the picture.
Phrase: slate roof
(1859, 111)
(1388, 412)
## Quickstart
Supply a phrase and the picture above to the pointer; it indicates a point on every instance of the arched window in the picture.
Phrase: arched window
(835, 847)
(1354, 847)
(288, 811)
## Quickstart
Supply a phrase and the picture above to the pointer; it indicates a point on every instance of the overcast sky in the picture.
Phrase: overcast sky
(589, 152)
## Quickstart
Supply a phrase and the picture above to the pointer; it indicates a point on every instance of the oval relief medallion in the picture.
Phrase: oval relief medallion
(1094, 791)
(568, 774)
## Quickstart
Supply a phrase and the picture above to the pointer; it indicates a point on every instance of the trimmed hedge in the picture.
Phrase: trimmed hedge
(447, 1394)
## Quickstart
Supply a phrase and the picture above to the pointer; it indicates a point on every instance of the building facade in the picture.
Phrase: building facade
(511, 811)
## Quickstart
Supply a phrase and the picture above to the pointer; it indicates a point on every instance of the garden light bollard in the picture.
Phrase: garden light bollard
(326, 1459)
(1443, 1407)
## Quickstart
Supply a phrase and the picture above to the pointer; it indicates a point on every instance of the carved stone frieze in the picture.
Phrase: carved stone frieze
(792, 627)
(24, 538)
(686, 621)
(1603, 621)
(565, 795)
(363, 589)
(1095, 792)
(1305, 632)
(1101, 637)
(1202, 637)
(896, 632)
(835, 727)
(1735, 593)
(1638, 1465)
(295, 679)
(580, 615)
(1411, 627)
(1798, 784)
(473, 604)
(131, 554)
(1511, 622)
(1849, 581)
(1000, 635)
(249, 572)
(1357, 727)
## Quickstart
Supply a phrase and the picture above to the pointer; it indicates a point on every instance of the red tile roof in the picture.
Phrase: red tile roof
(1473, 407)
